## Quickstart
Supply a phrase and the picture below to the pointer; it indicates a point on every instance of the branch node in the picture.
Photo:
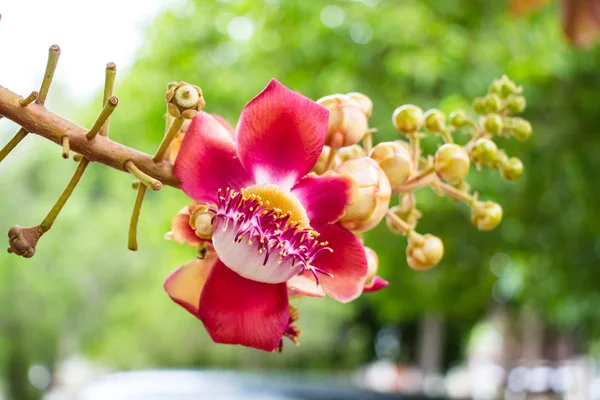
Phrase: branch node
(77, 157)
(29, 99)
(66, 150)
(146, 179)
(109, 85)
(110, 106)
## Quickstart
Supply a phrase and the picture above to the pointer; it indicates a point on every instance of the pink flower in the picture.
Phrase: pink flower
(273, 226)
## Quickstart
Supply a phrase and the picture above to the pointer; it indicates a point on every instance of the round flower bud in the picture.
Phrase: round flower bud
(347, 120)
(424, 251)
(201, 221)
(495, 86)
(516, 104)
(350, 152)
(373, 195)
(372, 264)
(486, 215)
(435, 121)
(319, 167)
(364, 101)
(519, 128)
(508, 87)
(184, 99)
(484, 151)
(511, 169)
(407, 118)
(452, 163)
(395, 161)
(492, 103)
(493, 124)
(479, 106)
(458, 119)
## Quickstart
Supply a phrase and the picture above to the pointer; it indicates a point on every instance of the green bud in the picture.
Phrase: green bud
(458, 119)
(435, 121)
(479, 106)
(508, 87)
(493, 124)
(492, 103)
(511, 169)
(407, 119)
(516, 104)
(495, 86)
(486, 216)
(452, 163)
(484, 151)
(520, 128)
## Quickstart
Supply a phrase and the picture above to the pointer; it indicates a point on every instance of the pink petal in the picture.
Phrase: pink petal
(280, 135)
(225, 125)
(305, 285)
(236, 310)
(181, 231)
(207, 162)
(185, 284)
(325, 196)
(376, 284)
(347, 263)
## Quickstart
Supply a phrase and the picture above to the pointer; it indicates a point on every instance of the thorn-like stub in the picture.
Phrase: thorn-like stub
(55, 48)
(22, 241)
(113, 100)
(112, 66)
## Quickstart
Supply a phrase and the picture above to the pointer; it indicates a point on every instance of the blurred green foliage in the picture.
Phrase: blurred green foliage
(84, 291)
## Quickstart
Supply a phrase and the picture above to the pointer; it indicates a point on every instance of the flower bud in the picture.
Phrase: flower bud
(486, 215)
(395, 161)
(319, 167)
(435, 121)
(201, 221)
(424, 251)
(479, 106)
(372, 264)
(184, 99)
(508, 87)
(452, 163)
(347, 120)
(350, 152)
(492, 103)
(516, 104)
(407, 119)
(485, 151)
(511, 169)
(364, 101)
(493, 124)
(458, 119)
(519, 128)
(373, 194)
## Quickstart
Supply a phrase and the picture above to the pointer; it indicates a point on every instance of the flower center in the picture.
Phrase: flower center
(263, 234)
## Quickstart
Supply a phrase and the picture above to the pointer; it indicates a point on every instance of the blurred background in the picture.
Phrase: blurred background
(512, 312)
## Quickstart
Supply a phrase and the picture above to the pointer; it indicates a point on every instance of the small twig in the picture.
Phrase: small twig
(51, 217)
(176, 123)
(455, 193)
(29, 99)
(399, 223)
(415, 150)
(109, 84)
(110, 106)
(53, 55)
(330, 158)
(135, 216)
(13, 143)
(419, 182)
(147, 180)
(65, 147)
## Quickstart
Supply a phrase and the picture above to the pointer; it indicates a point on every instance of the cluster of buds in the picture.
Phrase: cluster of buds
(399, 167)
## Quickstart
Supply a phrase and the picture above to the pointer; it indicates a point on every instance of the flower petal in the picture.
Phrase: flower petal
(280, 135)
(305, 285)
(206, 161)
(376, 284)
(347, 263)
(181, 231)
(225, 124)
(185, 284)
(236, 310)
(325, 196)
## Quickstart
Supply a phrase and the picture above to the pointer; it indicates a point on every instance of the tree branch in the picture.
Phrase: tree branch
(36, 119)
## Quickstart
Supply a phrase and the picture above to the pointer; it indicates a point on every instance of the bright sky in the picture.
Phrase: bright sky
(90, 33)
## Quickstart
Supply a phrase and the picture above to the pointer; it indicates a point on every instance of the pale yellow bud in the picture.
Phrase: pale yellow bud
(364, 101)
(201, 221)
(347, 120)
(452, 163)
(350, 152)
(319, 167)
(372, 264)
(373, 195)
(395, 161)
(486, 215)
(424, 251)
(407, 119)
